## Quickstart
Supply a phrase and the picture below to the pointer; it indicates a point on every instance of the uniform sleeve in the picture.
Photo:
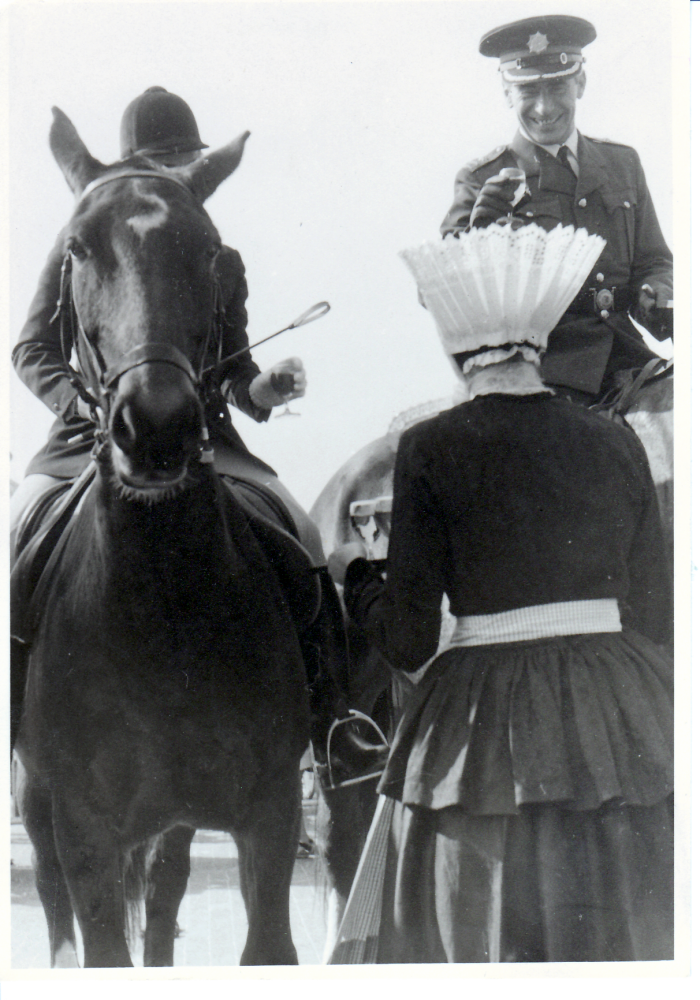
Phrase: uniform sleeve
(402, 617)
(37, 356)
(653, 262)
(234, 288)
(467, 187)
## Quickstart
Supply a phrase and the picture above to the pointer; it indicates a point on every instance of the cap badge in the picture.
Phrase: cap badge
(537, 43)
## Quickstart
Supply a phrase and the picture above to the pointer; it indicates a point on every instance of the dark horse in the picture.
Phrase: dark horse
(166, 687)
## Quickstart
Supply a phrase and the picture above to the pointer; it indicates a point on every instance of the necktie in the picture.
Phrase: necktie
(563, 157)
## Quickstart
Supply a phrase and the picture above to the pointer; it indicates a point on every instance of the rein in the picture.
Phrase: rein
(73, 333)
(98, 399)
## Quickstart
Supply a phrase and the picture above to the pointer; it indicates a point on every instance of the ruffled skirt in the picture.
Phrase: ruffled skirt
(533, 815)
(578, 720)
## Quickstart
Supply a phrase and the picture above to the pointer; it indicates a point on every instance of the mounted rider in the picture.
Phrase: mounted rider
(161, 127)
(573, 180)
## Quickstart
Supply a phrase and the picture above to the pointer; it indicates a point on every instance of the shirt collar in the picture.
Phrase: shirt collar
(571, 143)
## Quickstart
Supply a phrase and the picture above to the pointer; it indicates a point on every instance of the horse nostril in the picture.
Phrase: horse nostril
(157, 439)
(123, 429)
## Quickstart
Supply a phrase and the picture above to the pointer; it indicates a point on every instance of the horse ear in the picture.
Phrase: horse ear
(206, 174)
(71, 153)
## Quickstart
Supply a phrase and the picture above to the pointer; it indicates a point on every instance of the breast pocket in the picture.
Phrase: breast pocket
(546, 210)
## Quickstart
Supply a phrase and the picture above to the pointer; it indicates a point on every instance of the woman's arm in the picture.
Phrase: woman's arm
(402, 617)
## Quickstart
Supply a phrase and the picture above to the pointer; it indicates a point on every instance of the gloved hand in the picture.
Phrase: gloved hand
(265, 394)
(647, 303)
(654, 312)
(340, 559)
(495, 200)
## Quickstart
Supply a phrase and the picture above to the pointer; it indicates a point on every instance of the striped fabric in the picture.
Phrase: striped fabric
(358, 935)
(540, 621)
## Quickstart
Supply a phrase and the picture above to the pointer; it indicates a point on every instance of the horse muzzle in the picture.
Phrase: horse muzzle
(155, 428)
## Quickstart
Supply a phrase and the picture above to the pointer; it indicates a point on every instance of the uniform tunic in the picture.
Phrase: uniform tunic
(610, 198)
(39, 362)
(531, 778)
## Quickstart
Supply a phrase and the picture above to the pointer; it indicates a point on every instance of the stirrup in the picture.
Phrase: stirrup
(352, 716)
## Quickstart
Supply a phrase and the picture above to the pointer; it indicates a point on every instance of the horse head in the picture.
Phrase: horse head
(140, 266)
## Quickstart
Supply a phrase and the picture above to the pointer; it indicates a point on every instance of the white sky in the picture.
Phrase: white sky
(361, 114)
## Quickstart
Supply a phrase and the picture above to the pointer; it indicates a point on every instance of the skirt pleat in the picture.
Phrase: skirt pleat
(579, 720)
(544, 885)
(527, 809)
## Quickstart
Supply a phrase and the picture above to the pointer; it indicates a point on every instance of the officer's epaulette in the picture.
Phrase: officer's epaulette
(609, 142)
(481, 161)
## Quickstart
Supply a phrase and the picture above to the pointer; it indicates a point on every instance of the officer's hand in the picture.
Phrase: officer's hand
(655, 312)
(494, 201)
(284, 381)
(647, 303)
(339, 560)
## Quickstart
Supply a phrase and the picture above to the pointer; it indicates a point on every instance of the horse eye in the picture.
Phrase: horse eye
(76, 249)
(213, 251)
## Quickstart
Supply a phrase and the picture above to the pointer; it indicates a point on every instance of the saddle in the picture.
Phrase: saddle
(41, 537)
(276, 533)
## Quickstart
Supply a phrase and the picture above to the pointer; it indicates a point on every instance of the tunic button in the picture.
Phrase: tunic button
(600, 277)
(604, 313)
(582, 203)
(626, 204)
(530, 215)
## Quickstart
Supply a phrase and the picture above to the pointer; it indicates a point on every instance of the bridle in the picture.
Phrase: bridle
(72, 334)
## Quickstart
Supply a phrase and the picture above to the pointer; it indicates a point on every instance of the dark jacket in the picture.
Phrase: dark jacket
(507, 502)
(610, 197)
(39, 362)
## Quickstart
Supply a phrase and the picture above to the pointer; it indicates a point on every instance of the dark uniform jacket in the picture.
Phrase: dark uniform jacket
(39, 362)
(610, 197)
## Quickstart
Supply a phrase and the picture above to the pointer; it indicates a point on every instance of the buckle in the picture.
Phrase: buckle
(603, 301)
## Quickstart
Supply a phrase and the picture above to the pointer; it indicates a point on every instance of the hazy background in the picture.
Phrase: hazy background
(361, 114)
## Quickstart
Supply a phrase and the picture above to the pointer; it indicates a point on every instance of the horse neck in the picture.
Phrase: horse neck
(189, 530)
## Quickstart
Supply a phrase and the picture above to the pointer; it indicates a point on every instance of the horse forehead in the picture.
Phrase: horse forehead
(152, 211)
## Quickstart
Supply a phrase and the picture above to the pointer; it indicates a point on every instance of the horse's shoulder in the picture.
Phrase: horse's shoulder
(655, 397)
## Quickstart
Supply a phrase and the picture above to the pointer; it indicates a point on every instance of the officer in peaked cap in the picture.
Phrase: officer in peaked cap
(539, 47)
(575, 180)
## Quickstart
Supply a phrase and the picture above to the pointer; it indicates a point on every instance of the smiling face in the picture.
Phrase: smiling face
(546, 109)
